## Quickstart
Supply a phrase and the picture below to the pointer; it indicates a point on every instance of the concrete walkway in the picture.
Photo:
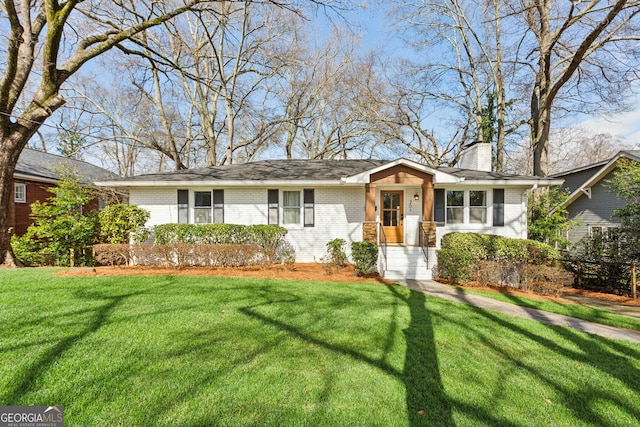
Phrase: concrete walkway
(439, 290)
(627, 310)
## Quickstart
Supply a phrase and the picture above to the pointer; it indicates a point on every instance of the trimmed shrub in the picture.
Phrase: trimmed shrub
(365, 257)
(462, 254)
(120, 223)
(269, 238)
(112, 253)
(456, 264)
(505, 273)
(547, 280)
(179, 254)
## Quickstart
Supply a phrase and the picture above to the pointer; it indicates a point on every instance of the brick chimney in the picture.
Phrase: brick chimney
(476, 156)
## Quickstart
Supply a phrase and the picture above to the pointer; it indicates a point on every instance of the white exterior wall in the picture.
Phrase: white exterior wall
(162, 203)
(515, 216)
(339, 213)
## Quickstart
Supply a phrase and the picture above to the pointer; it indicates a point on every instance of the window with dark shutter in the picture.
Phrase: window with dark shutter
(438, 206)
(183, 206)
(309, 202)
(498, 207)
(272, 200)
(218, 206)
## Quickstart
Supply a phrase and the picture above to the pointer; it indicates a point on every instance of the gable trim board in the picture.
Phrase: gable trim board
(607, 168)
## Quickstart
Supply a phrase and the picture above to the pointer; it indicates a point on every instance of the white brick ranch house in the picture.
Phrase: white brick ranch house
(404, 206)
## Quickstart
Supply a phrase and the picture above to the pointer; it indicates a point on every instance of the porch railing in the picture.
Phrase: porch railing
(382, 242)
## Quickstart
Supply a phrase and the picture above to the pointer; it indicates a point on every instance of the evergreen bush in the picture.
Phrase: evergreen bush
(365, 257)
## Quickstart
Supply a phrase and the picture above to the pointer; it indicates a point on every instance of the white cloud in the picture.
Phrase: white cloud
(626, 125)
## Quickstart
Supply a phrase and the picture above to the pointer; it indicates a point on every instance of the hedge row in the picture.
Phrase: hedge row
(461, 253)
(269, 238)
(178, 255)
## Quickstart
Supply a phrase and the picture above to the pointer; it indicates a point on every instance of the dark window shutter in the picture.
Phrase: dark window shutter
(183, 206)
(309, 202)
(218, 206)
(272, 200)
(498, 207)
(438, 206)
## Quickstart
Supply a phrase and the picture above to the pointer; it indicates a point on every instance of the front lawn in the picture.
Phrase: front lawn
(203, 351)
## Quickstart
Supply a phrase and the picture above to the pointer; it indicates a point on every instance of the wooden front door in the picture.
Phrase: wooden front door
(392, 215)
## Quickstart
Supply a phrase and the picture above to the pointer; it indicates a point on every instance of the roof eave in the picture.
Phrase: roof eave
(513, 182)
(222, 183)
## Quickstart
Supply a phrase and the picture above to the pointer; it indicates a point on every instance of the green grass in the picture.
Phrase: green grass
(592, 314)
(203, 351)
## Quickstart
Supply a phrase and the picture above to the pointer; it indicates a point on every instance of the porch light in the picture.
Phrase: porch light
(416, 197)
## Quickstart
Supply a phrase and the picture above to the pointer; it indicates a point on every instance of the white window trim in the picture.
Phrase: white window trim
(466, 206)
(300, 222)
(202, 208)
(23, 199)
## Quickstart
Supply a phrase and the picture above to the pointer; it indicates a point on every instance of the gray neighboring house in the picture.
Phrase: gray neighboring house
(590, 201)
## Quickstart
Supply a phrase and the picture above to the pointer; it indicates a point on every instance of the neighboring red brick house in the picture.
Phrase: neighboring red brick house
(37, 171)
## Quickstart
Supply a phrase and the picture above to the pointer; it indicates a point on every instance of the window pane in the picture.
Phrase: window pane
(477, 215)
(202, 216)
(477, 198)
(386, 218)
(19, 193)
(291, 199)
(455, 215)
(455, 198)
(202, 199)
(291, 215)
(291, 207)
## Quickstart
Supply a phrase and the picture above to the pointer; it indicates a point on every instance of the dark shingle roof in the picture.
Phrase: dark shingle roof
(298, 170)
(273, 170)
(41, 165)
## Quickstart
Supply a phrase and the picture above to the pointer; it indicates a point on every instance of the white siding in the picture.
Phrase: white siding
(162, 203)
(339, 213)
(515, 217)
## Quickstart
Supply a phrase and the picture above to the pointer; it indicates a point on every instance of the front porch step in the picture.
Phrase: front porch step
(406, 262)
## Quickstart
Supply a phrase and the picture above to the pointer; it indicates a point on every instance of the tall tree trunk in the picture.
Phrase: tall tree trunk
(11, 148)
(540, 127)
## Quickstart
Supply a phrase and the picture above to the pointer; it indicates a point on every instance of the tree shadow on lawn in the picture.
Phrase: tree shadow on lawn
(27, 377)
(607, 356)
(427, 403)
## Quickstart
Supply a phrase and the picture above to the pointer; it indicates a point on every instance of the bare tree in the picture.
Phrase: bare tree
(47, 42)
(461, 76)
(570, 148)
(580, 54)
(328, 94)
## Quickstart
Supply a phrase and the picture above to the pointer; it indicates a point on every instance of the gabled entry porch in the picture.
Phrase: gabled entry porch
(399, 219)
